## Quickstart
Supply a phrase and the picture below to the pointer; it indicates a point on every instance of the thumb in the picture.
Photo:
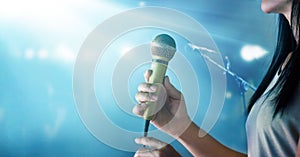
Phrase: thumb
(171, 90)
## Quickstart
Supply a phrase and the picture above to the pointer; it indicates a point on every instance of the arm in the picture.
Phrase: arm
(173, 119)
(205, 146)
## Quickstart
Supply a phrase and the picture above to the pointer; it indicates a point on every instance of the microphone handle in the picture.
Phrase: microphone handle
(159, 68)
(157, 76)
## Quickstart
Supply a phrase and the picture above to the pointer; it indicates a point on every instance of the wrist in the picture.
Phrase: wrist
(176, 128)
(191, 133)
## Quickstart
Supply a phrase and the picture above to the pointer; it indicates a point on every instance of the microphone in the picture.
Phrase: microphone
(163, 49)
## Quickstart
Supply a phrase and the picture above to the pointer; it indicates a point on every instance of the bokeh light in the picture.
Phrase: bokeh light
(252, 52)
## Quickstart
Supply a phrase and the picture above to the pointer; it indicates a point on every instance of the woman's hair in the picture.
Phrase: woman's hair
(288, 82)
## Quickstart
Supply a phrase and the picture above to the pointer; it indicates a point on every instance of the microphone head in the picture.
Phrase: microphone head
(163, 47)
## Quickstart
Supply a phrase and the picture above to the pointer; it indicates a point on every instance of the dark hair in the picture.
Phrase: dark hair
(288, 81)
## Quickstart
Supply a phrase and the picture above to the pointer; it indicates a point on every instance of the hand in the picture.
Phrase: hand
(172, 117)
(155, 148)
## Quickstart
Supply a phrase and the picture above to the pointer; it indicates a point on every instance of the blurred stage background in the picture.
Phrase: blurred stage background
(39, 41)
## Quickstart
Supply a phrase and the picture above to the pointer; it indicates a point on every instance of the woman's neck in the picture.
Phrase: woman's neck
(287, 13)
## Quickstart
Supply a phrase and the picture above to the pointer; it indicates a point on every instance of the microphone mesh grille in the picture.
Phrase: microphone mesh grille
(163, 50)
(163, 46)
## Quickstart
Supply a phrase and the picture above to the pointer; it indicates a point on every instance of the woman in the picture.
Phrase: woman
(273, 124)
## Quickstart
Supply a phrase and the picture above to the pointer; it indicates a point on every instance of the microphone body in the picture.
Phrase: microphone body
(163, 49)
(157, 76)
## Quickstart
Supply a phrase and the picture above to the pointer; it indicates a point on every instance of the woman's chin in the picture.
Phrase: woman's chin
(266, 9)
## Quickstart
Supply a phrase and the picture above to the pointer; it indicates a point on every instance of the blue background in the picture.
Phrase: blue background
(39, 41)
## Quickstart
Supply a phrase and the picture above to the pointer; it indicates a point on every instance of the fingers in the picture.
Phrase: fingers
(151, 142)
(155, 94)
(147, 75)
(171, 90)
(146, 97)
(146, 87)
(146, 92)
(144, 152)
(139, 109)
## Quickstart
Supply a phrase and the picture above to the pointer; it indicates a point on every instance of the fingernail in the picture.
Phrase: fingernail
(153, 88)
(136, 140)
